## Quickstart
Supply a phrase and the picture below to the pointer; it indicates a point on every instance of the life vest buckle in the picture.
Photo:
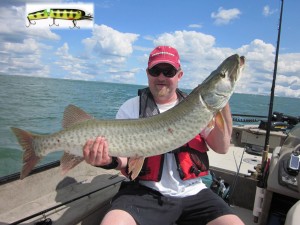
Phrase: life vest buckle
(194, 170)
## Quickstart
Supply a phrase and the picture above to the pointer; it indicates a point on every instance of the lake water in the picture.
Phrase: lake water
(37, 104)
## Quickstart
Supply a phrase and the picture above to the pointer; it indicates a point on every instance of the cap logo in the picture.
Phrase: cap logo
(162, 53)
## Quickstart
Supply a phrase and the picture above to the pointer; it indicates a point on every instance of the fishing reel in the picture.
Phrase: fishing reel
(280, 117)
(220, 187)
(280, 122)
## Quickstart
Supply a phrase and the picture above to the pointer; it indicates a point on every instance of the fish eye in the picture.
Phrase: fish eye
(223, 74)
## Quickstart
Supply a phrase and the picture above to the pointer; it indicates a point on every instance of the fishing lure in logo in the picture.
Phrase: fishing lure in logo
(63, 14)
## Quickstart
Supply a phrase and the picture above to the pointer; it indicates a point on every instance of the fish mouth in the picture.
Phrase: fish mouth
(220, 95)
(239, 68)
(242, 61)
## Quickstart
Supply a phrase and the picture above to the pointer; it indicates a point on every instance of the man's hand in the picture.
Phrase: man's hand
(95, 152)
(219, 138)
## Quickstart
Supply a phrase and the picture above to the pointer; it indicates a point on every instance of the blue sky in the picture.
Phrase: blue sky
(116, 47)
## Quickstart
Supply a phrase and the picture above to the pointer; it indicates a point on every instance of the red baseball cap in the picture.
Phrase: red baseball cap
(164, 54)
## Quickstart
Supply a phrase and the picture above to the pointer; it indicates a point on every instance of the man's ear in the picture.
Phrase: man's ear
(180, 74)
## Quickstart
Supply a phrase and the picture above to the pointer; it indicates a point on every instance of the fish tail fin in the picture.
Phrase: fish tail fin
(30, 158)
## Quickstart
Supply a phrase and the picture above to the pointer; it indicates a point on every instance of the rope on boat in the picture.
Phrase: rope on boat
(245, 120)
(241, 118)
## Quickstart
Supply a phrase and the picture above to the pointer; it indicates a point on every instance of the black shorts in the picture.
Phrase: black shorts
(149, 207)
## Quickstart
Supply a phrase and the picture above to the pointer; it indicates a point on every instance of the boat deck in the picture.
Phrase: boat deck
(82, 196)
(237, 160)
(65, 199)
(98, 185)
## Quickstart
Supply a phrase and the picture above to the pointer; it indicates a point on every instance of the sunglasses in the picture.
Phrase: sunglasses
(167, 72)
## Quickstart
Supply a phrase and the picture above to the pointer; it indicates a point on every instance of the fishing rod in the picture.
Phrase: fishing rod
(264, 167)
(266, 147)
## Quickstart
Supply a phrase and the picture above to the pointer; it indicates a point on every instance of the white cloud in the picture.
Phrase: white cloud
(224, 16)
(123, 76)
(289, 63)
(29, 46)
(199, 56)
(112, 55)
(110, 42)
(20, 47)
(187, 41)
(267, 11)
(259, 73)
(287, 91)
(22, 58)
(74, 67)
(109, 50)
(260, 54)
(197, 26)
(14, 28)
(287, 86)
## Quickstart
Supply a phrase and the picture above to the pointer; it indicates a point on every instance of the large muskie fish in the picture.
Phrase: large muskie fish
(136, 138)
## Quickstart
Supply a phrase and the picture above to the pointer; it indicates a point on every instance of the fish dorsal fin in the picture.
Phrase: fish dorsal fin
(74, 115)
(134, 166)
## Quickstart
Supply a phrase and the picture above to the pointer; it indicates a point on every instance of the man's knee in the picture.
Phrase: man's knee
(118, 217)
(227, 220)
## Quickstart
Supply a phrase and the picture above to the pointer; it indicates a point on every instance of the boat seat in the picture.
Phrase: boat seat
(293, 216)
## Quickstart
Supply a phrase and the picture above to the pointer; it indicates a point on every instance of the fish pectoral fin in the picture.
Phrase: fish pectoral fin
(220, 122)
(74, 115)
(134, 166)
(69, 161)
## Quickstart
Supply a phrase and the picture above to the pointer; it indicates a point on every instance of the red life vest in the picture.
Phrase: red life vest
(191, 162)
(192, 159)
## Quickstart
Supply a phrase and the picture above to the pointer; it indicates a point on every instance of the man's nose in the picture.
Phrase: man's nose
(161, 75)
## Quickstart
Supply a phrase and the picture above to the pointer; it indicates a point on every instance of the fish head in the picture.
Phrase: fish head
(218, 87)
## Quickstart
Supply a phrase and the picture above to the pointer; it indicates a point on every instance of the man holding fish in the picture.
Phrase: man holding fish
(168, 188)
